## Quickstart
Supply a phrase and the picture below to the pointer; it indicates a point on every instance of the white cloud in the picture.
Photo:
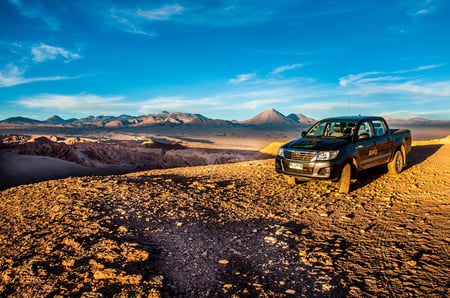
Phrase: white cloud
(34, 10)
(158, 14)
(286, 68)
(427, 7)
(422, 7)
(242, 78)
(335, 106)
(351, 78)
(12, 76)
(45, 52)
(175, 103)
(255, 104)
(135, 20)
(82, 103)
(365, 77)
(408, 114)
(439, 89)
(382, 82)
(91, 103)
(420, 68)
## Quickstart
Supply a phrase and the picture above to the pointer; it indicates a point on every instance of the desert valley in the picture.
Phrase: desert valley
(180, 205)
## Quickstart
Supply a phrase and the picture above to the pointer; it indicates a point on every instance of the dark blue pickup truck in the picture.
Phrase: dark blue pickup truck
(338, 148)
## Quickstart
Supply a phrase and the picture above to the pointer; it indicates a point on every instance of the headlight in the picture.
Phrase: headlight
(281, 151)
(327, 155)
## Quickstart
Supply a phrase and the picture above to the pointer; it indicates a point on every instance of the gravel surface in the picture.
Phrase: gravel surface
(234, 230)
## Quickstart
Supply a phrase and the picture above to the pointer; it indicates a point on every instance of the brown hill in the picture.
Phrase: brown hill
(302, 119)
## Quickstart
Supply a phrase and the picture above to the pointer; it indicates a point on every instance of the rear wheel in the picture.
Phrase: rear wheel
(344, 181)
(396, 164)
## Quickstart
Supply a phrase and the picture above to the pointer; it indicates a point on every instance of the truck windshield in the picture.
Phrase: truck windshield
(332, 129)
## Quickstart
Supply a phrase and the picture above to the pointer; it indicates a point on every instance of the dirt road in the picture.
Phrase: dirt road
(235, 229)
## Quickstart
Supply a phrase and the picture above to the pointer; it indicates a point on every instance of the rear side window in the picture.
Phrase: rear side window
(379, 129)
(365, 128)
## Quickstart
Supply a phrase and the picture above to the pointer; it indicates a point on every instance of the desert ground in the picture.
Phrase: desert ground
(230, 230)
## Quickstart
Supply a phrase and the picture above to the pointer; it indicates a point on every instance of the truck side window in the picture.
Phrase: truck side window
(365, 128)
(379, 128)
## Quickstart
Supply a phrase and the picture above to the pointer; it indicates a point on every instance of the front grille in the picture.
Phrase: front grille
(299, 155)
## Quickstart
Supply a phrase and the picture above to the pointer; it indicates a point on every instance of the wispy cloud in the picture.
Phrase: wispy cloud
(365, 77)
(81, 103)
(271, 78)
(136, 20)
(377, 82)
(408, 114)
(242, 78)
(176, 103)
(335, 106)
(286, 68)
(118, 104)
(425, 7)
(13, 76)
(35, 10)
(419, 88)
(158, 14)
(45, 52)
(420, 68)
(256, 104)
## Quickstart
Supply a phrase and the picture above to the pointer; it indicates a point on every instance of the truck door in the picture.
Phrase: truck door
(365, 145)
(383, 142)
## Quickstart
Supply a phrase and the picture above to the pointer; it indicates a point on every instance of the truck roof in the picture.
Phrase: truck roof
(352, 118)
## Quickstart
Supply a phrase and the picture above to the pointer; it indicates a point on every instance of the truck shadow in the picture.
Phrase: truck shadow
(417, 155)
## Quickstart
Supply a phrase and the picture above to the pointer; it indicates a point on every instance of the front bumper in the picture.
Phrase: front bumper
(310, 169)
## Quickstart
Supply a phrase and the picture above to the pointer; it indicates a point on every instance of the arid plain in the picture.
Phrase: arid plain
(223, 224)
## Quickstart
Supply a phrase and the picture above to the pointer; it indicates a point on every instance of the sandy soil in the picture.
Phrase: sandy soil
(234, 229)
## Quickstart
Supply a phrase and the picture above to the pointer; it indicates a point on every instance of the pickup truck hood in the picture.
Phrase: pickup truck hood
(317, 144)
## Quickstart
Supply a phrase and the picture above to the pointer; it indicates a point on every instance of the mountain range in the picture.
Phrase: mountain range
(270, 118)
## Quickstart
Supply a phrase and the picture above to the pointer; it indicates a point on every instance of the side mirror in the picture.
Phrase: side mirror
(303, 133)
(363, 136)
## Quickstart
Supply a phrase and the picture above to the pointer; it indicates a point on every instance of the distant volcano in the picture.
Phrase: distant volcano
(269, 117)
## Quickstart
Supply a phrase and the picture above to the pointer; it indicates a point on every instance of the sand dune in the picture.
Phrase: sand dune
(23, 169)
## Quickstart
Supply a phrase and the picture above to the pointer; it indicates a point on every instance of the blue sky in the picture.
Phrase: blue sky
(225, 59)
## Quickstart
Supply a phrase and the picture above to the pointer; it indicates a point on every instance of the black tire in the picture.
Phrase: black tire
(291, 180)
(345, 179)
(395, 166)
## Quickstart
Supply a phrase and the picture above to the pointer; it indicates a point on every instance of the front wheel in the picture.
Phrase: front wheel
(395, 166)
(346, 176)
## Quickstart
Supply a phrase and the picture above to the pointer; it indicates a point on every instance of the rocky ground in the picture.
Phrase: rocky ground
(234, 230)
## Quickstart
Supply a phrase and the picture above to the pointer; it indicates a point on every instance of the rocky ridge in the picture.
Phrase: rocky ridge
(147, 155)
